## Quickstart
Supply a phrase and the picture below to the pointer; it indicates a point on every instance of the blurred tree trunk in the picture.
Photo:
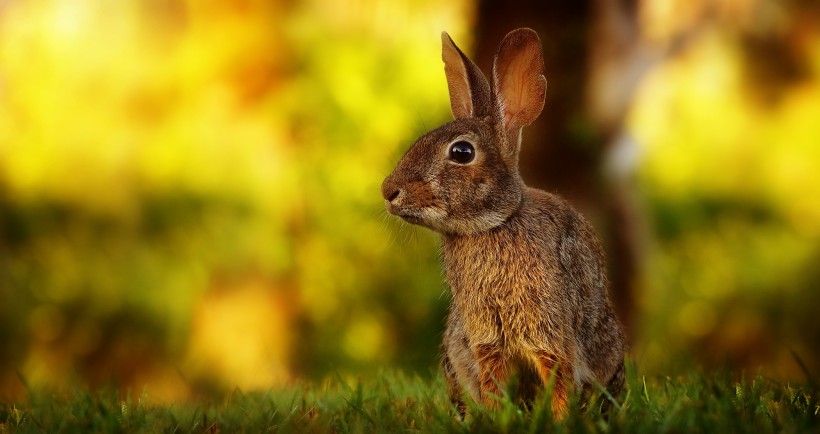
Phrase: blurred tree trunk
(593, 60)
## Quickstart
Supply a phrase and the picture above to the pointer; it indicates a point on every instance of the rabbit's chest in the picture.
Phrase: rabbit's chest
(500, 290)
(500, 316)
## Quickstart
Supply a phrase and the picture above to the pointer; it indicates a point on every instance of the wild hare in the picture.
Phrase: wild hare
(526, 270)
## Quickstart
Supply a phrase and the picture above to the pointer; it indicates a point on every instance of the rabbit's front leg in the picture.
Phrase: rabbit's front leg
(453, 388)
(493, 373)
(559, 373)
(458, 362)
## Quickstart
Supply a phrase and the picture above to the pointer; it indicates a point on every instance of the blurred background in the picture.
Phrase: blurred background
(189, 190)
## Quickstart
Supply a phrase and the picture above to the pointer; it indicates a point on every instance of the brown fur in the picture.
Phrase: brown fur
(526, 271)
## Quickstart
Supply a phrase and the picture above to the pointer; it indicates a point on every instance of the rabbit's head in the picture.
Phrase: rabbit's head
(463, 177)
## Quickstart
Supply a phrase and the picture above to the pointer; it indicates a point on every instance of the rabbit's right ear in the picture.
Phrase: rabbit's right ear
(520, 85)
(469, 89)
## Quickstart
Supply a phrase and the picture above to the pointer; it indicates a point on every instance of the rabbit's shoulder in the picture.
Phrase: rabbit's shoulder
(578, 250)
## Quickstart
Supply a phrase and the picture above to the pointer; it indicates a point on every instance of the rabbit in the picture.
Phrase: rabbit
(526, 271)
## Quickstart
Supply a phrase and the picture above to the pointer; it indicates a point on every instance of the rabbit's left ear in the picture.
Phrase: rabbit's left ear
(519, 84)
(469, 89)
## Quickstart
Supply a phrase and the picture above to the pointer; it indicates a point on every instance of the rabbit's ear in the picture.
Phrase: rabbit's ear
(519, 82)
(469, 89)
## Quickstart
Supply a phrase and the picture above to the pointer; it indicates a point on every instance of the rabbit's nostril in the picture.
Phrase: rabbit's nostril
(393, 195)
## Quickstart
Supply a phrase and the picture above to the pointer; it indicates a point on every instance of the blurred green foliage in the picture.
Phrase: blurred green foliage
(730, 181)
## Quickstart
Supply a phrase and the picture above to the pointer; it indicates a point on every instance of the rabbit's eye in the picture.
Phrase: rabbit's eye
(462, 152)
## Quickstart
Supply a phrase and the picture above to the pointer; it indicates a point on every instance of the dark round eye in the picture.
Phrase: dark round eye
(462, 152)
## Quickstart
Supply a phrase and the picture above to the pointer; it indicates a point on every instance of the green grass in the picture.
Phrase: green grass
(396, 403)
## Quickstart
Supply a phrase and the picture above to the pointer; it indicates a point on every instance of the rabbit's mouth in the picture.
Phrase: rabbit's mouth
(412, 219)
(427, 216)
(409, 215)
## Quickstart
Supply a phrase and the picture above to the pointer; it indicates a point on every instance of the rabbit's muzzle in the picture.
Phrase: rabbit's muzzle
(414, 202)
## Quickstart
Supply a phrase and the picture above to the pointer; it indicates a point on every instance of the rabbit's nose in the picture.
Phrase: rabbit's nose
(390, 189)
(391, 195)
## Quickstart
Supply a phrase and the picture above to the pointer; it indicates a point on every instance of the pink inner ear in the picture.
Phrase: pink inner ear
(524, 101)
(515, 92)
(518, 74)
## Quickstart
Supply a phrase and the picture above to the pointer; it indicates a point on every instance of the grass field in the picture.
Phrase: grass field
(393, 402)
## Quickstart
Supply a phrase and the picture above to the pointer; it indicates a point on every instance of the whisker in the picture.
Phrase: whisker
(408, 235)
(392, 235)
